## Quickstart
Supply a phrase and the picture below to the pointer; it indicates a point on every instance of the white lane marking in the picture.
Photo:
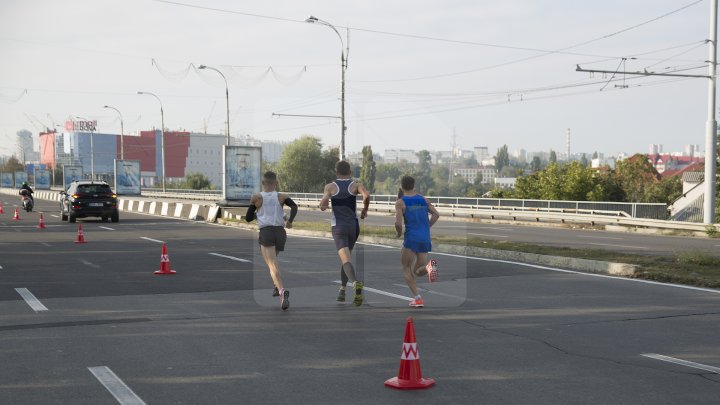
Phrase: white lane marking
(485, 234)
(376, 291)
(376, 245)
(45, 244)
(55, 216)
(438, 293)
(496, 229)
(598, 237)
(151, 239)
(580, 273)
(231, 258)
(116, 386)
(681, 362)
(34, 303)
(87, 263)
(105, 227)
(622, 246)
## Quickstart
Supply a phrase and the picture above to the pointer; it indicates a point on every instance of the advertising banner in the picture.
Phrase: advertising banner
(243, 169)
(127, 177)
(42, 179)
(71, 173)
(6, 180)
(20, 178)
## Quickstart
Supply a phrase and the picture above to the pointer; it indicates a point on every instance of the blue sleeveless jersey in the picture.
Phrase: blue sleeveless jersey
(344, 204)
(417, 224)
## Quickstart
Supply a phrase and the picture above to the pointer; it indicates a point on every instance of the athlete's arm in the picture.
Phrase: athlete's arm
(434, 214)
(399, 210)
(325, 201)
(366, 199)
(293, 210)
(250, 214)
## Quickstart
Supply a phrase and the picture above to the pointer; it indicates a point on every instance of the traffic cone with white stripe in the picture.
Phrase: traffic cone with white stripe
(2, 211)
(80, 236)
(16, 217)
(41, 225)
(410, 376)
(165, 262)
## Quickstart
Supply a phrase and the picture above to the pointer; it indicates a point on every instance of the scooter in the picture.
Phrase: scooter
(27, 202)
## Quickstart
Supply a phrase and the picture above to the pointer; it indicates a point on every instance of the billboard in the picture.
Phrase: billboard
(42, 179)
(20, 178)
(71, 173)
(6, 180)
(127, 177)
(243, 169)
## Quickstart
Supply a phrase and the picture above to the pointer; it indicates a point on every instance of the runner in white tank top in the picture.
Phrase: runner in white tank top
(268, 204)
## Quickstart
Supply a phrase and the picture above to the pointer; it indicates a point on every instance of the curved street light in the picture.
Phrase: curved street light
(343, 67)
(122, 131)
(227, 100)
(162, 135)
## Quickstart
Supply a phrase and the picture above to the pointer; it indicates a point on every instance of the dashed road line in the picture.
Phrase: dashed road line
(31, 300)
(55, 216)
(87, 263)
(381, 292)
(622, 246)
(108, 228)
(45, 244)
(122, 393)
(715, 370)
(231, 258)
(151, 239)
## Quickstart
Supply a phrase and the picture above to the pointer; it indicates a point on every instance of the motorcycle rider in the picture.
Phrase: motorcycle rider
(27, 189)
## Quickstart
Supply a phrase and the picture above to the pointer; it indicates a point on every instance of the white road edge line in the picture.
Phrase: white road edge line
(622, 246)
(31, 300)
(381, 292)
(105, 227)
(681, 362)
(599, 237)
(151, 239)
(487, 234)
(231, 258)
(116, 386)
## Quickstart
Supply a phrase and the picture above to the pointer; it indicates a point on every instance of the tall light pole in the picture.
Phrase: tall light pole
(343, 67)
(711, 126)
(227, 101)
(122, 131)
(162, 135)
(92, 148)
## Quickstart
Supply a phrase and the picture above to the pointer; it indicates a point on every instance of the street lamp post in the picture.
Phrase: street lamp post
(227, 101)
(122, 131)
(343, 67)
(92, 148)
(162, 135)
(711, 126)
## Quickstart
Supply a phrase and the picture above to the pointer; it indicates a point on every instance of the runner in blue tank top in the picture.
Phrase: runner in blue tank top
(345, 228)
(412, 210)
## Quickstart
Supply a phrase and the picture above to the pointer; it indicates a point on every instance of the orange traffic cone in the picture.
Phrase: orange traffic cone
(42, 222)
(165, 262)
(80, 236)
(16, 217)
(1, 209)
(410, 376)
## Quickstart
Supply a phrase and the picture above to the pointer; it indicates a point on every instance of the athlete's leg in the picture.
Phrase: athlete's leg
(270, 256)
(347, 266)
(420, 263)
(408, 259)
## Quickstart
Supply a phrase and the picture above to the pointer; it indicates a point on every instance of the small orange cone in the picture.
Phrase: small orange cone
(80, 236)
(16, 217)
(42, 222)
(165, 262)
(1, 209)
(410, 376)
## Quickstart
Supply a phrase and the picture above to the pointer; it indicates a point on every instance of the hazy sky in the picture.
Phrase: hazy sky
(481, 68)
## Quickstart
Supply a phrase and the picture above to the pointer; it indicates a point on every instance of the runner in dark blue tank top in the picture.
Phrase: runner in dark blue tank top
(412, 210)
(345, 228)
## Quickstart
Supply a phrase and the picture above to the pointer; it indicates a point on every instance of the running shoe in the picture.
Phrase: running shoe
(417, 303)
(285, 303)
(432, 272)
(358, 299)
(276, 292)
(341, 296)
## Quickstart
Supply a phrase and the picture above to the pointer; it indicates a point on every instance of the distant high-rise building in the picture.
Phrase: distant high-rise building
(399, 155)
(24, 145)
(481, 153)
(655, 148)
(692, 150)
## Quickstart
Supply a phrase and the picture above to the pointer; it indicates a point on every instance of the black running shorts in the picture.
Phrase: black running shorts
(345, 236)
(273, 236)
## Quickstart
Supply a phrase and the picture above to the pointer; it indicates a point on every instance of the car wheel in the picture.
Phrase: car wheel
(72, 218)
(115, 217)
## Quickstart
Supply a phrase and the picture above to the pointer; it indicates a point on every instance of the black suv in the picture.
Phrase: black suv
(86, 198)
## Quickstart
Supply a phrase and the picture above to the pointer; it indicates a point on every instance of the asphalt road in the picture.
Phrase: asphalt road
(543, 234)
(492, 332)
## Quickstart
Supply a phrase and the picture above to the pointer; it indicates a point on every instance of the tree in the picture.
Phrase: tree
(303, 168)
(635, 174)
(368, 170)
(423, 174)
(595, 155)
(12, 165)
(197, 181)
(502, 158)
(584, 161)
(536, 164)
(553, 156)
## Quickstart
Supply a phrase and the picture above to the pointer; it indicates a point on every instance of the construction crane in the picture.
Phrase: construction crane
(207, 120)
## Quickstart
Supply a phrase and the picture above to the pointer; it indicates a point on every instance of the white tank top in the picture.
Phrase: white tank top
(271, 212)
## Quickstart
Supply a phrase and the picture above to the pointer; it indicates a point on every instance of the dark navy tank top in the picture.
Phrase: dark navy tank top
(344, 204)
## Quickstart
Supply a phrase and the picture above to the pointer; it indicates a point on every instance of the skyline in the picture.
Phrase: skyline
(402, 92)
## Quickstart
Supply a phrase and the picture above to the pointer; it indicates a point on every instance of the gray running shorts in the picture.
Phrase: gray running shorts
(273, 236)
(345, 236)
